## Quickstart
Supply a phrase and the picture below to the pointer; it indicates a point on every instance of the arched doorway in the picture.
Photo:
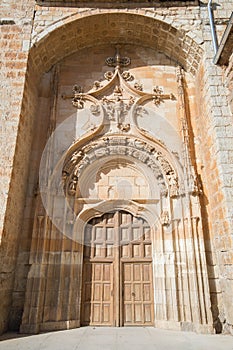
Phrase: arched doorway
(125, 155)
(117, 272)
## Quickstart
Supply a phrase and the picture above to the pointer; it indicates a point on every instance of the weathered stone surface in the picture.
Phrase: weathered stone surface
(45, 51)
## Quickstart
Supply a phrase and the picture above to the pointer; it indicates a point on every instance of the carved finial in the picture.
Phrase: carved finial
(117, 61)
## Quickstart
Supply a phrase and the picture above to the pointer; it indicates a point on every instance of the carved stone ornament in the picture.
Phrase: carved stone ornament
(138, 86)
(77, 100)
(108, 75)
(121, 80)
(73, 186)
(127, 76)
(117, 61)
(135, 148)
(165, 220)
(97, 84)
(116, 108)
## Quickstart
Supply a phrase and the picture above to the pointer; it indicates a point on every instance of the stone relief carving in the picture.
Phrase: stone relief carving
(124, 127)
(73, 185)
(194, 183)
(95, 109)
(116, 106)
(77, 100)
(117, 61)
(165, 220)
(97, 84)
(122, 91)
(138, 86)
(127, 76)
(108, 75)
(125, 146)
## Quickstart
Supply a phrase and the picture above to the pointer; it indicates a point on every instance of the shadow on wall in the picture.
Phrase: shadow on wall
(117, 3)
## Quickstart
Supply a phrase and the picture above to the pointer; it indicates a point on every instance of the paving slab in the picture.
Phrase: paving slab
(124, 338)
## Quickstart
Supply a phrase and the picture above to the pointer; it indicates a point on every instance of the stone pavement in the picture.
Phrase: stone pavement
(103, 338)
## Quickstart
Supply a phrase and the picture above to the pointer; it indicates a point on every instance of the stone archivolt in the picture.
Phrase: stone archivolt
(130, 147)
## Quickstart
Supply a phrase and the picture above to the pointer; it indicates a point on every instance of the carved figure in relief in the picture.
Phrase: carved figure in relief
(76, 157)
(139, 144)
(165, 221)
(152, 165)
(100, 152)
(64, 176)
(119, 109)
(161, 184)
(73, 186)
(84, 162)
(173, 184)
(164, 163)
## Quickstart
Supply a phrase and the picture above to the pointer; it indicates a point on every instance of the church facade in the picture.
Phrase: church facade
(116, 165)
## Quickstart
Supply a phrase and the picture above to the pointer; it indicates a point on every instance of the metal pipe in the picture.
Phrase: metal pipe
(212, 27)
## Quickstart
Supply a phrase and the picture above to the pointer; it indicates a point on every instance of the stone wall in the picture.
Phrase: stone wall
(213, 133)
(15, 28)
(229, 81)
(56, 32)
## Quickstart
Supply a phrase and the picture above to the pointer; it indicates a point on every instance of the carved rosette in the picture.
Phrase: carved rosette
(135, 148)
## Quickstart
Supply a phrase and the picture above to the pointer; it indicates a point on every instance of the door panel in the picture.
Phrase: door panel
(117, 260)
(97, 304)
(138, 296)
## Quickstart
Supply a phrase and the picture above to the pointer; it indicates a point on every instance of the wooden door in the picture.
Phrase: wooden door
(138, 297)
(97, 290)
(97, 294)
(117, 272)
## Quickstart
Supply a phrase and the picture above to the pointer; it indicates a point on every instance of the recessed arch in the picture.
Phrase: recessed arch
(114, 27)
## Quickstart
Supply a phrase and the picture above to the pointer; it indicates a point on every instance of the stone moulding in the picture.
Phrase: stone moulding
(128, 147)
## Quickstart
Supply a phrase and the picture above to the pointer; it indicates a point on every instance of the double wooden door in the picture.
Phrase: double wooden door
(117, 272)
